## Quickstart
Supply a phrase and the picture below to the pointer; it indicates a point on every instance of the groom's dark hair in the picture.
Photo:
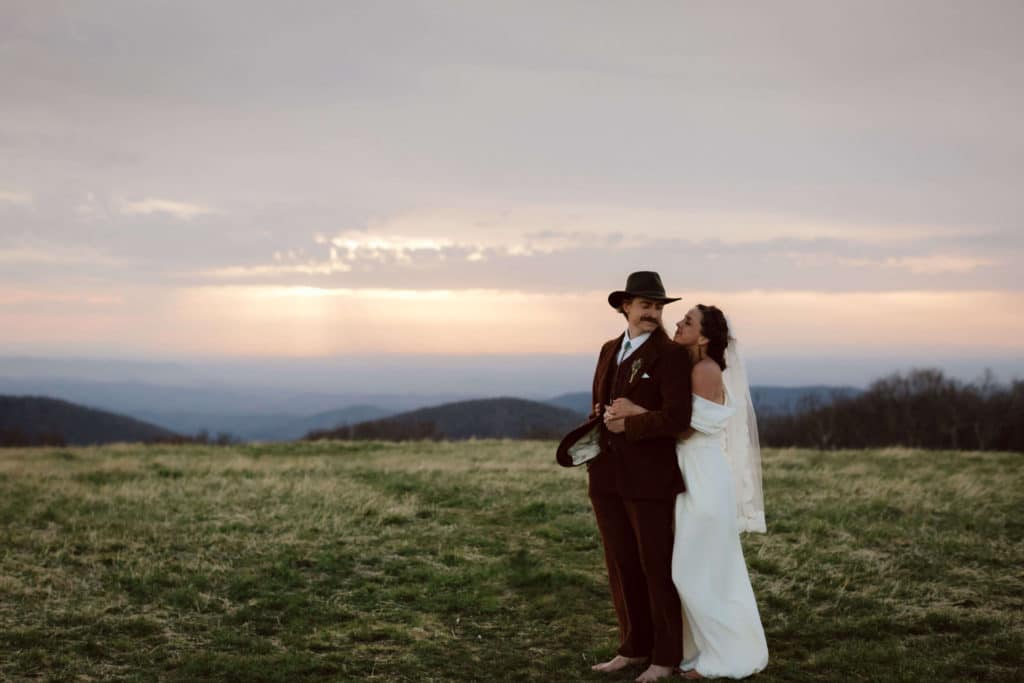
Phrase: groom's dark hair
(716, 329)
(622, 306)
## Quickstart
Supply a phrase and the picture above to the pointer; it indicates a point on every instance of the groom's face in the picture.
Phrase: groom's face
(642, 314)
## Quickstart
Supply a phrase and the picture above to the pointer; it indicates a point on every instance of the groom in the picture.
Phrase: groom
(635, 479)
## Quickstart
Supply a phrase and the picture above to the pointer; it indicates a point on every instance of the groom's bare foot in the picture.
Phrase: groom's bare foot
(616, 663)
(655, 672)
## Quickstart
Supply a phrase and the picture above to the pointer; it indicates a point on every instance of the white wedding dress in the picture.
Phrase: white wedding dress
(722, 632)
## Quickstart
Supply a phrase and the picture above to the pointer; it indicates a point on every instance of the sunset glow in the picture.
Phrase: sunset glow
(310, 321)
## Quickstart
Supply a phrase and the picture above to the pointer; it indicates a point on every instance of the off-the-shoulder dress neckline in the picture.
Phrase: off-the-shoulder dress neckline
(723, 404)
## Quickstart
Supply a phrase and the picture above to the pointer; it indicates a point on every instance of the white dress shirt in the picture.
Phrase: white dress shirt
(634, 344)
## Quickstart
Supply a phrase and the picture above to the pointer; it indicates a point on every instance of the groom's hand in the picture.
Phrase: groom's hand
(614, 422)
(617, 426)
(623, 407)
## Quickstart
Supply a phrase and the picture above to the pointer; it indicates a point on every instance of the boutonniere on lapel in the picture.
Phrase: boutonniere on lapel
(635, 368)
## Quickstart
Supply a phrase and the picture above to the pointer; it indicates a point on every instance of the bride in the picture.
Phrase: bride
(721, 464)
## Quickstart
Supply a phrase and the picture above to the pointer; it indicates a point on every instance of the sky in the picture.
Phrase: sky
(320, 179)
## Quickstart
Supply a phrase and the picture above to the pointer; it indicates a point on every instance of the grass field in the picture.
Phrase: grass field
(477, 561)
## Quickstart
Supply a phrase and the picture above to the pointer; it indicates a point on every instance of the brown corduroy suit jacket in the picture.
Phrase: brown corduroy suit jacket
(641, 463)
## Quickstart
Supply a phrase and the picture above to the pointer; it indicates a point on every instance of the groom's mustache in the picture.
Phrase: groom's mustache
(649, 320)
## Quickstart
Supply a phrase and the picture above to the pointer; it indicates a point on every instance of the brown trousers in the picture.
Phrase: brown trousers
(637, 537)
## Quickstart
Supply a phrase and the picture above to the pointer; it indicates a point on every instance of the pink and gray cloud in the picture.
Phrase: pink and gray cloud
(206, 157)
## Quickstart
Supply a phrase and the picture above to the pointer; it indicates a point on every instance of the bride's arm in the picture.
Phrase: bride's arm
(622, 408)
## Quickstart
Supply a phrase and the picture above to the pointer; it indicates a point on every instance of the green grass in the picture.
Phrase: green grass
(477, 561)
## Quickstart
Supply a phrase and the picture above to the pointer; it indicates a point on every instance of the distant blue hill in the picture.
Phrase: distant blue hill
(283, 416)
(492, 418)
(577, 401)
(264, 426)
(36, 419)
(247, 413)
(135, 398)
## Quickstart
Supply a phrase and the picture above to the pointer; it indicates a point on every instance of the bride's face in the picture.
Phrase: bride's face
(688, 329)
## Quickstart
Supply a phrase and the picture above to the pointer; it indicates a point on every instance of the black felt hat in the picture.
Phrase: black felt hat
(644, 284)
(581, 445)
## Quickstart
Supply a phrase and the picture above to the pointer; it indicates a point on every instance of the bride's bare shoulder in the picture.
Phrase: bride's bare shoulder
(707, 369)
(707, 379)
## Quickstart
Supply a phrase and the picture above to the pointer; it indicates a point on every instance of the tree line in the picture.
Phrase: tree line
(920, 409)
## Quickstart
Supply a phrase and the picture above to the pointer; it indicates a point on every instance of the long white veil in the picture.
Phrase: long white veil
(742, 445)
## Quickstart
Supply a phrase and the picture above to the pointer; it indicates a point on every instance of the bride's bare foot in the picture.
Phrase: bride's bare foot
(616, 663)
(655, 672)
(692, 673)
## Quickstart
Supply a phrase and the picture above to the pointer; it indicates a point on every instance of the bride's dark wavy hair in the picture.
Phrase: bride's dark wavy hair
(716, 329)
